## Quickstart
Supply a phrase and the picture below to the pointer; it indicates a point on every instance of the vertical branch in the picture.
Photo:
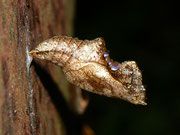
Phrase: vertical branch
(25, 105)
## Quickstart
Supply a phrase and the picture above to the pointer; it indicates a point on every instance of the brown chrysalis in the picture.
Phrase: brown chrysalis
(88, 65)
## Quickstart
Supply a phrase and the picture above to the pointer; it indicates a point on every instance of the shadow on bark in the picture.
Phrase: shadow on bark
(72, 122)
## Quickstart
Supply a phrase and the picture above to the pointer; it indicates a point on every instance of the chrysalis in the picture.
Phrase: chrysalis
(88, 65)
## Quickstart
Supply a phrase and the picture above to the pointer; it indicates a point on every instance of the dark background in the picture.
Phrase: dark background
(147, 31)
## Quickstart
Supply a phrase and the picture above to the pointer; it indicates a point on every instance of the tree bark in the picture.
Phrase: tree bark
(26, 103)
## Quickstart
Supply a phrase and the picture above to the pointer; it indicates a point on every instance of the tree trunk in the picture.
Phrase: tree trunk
(27, 105)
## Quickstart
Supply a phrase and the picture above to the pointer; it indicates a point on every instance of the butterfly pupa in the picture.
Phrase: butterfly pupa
(88, 65)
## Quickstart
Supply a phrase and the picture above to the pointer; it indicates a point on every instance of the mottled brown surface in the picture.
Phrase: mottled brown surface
(85, 65)
(25, 105)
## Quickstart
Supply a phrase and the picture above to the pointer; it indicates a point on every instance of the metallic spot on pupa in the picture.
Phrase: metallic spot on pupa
(114, 67)
(106, 55)
(109, 63)
(142, 88)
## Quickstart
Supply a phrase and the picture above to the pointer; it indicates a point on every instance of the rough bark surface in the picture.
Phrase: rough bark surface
(26, 107)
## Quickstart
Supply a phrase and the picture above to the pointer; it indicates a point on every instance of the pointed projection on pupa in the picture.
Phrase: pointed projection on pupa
(88, 65)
